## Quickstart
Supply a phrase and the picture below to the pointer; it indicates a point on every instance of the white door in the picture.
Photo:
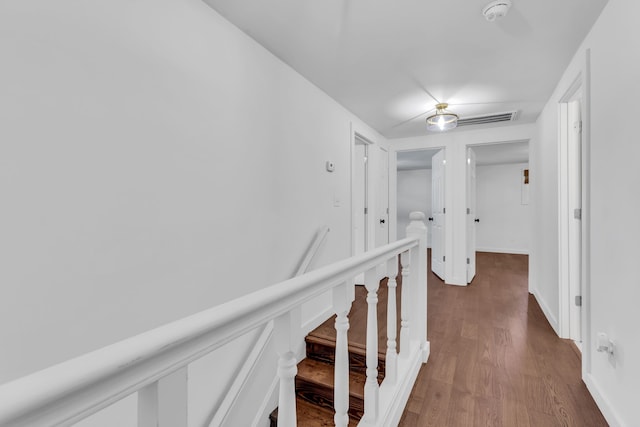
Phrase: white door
(438, 214)
(471, 214)
(575, 222)
(381, 219)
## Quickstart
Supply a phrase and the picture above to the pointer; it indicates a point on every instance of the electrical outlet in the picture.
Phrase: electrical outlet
(604, 344)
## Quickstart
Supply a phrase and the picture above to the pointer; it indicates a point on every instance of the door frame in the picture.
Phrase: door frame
(381, 156)
(444, 224)
(357, 137)
(582, 81)
(393, 189)
(578, 90)
(472, 202)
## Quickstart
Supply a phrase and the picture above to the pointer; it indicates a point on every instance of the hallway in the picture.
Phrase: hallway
(495, 360)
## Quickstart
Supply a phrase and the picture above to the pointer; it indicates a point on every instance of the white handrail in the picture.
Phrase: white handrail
(73, 390)
(219, 415)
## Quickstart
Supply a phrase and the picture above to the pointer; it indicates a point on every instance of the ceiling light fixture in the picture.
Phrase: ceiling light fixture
(442, 120)
(496, 10)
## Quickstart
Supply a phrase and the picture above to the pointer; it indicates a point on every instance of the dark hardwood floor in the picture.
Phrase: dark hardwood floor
(495, 361)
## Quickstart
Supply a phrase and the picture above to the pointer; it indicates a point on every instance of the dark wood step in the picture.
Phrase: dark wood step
(310, 415)
(323, 349)
(314, 383)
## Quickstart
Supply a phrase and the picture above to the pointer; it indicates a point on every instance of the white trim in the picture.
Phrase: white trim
(391, 415)
(503, 251)
(563, 218)
(356, 135)
(318, 320)
(352, 202)
(547, 312)
(242, 377)
(586, 216)
(393, 195)
(565, 214)
(602, 402)
(318, 240)
(269, 402)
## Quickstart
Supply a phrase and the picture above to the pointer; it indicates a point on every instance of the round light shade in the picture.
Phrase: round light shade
(442, 120)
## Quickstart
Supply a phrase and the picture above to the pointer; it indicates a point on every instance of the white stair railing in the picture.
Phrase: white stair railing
(342, 305)
(153, 364)
(221, 412)
(391, 359)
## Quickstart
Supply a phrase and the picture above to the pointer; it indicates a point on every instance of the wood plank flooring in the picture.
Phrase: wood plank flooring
(495, 361)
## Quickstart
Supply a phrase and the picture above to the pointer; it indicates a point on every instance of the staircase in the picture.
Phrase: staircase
(314, 381)
(154, 364)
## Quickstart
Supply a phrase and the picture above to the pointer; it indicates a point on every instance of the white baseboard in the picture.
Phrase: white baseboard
(270, 401)
(398, 399)
(603, 403)
(318, 320)
(504, 251)
(553, 321)
(243, 376)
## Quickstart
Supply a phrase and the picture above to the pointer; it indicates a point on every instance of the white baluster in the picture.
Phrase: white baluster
(417, 228)
(391, 363)
(164, 402)
(405, 309)
(371, 388)
(342, 305)
(287, 370)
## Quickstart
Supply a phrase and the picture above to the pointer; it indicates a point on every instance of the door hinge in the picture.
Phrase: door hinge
(444, 258)
(468, 261)
(468, 211)
(578, 300)
(366, 211)
(387, 210)
(444, 210)
(577, 213)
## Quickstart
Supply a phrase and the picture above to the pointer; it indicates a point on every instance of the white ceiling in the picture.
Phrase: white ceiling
(488, 154)
(386, 61)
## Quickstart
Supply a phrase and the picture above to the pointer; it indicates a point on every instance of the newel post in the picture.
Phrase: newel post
(418, 229)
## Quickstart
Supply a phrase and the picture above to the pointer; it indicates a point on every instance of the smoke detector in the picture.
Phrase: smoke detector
(496, 10)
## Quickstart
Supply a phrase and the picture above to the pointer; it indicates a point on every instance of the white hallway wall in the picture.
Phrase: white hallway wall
(611, 215)
(154, 161)
(505, 223)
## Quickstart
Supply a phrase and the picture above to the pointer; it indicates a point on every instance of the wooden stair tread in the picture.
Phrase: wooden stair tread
(314, 382)
(355, 348)
(322, 374)
(358, 320)
(310, 415)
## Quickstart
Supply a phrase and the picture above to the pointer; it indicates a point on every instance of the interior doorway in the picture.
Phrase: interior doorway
(498, 216)
(415, 190)
(381, 218)
(360, 196)
(472, 219)
(438, 214)
(570, 211)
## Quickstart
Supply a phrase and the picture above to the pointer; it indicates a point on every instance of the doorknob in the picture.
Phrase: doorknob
(430, 218)
(477, 220)
(382, 221)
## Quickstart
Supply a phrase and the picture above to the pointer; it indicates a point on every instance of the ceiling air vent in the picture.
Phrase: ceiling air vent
(491, 118)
